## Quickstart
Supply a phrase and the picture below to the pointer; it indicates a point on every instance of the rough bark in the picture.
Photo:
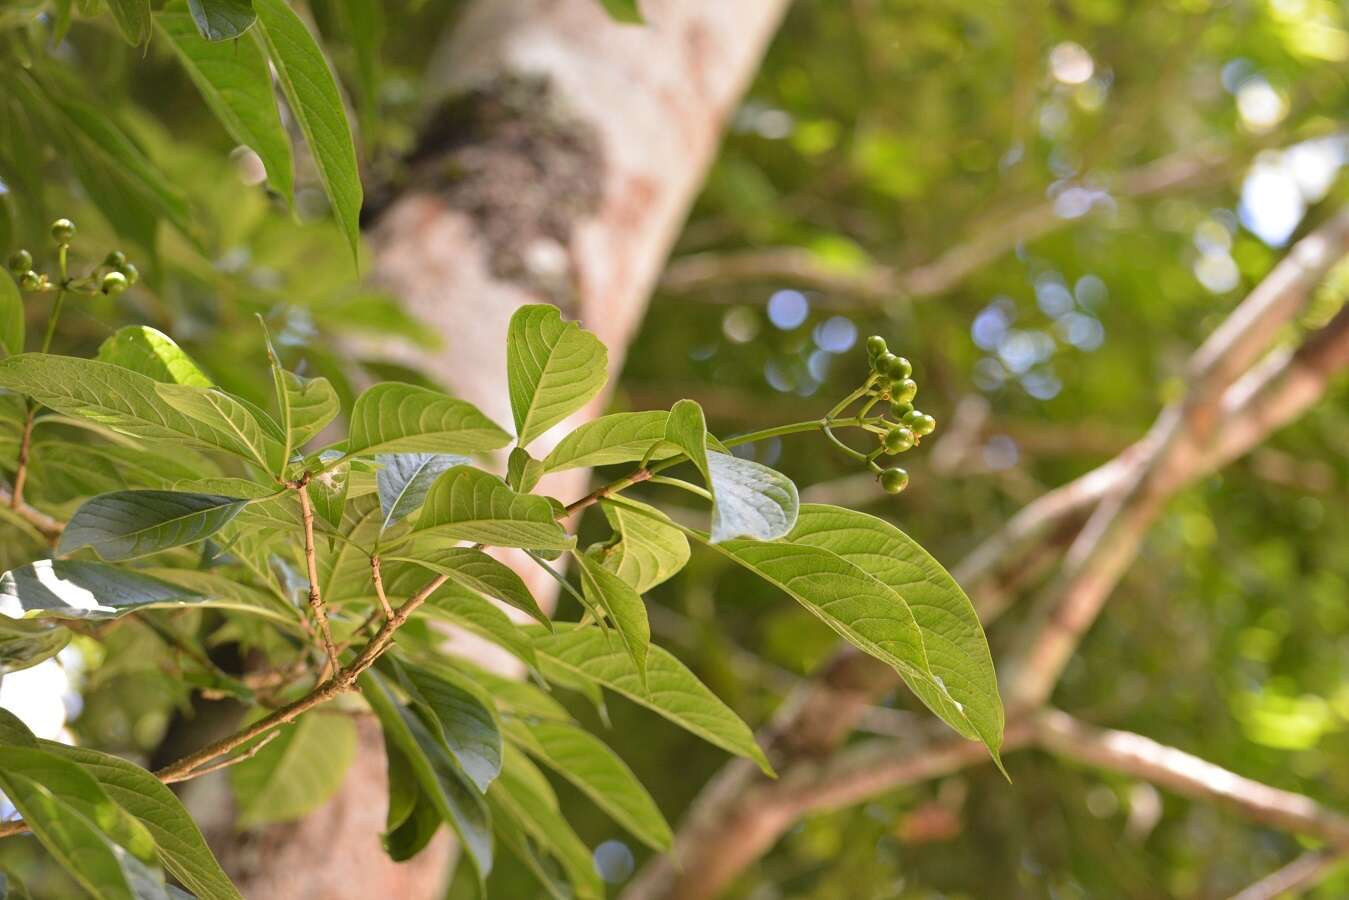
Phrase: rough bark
(557, 167)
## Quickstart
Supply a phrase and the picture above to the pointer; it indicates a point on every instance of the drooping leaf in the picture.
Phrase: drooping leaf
(133, 18)
(401, 418)
(458, 804)
(412, 818)
(128, 524)
(25, 644)
(479, 572)
(77, 822)
(468, 504)
(236, 84)
(554, 368)
(296, 772)
(179, 845)
(612, 439)
(587, 762)
(462, 607)
(672, 690)
(73, 589)
(522, 796)
(314, 99)
(623, 606)
(752, 500)
(461, 715)
(221, 20)
(523, 471)
(11, 317)
(957, 651)
(404, 479)
(152, 353)
(686, 429)
(650, 549)
(234, 426)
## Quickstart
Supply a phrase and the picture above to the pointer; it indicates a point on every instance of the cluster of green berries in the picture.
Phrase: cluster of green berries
(890, 382)
(116, 273)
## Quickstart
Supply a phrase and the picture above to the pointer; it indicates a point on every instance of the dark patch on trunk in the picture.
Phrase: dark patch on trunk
(527, 172)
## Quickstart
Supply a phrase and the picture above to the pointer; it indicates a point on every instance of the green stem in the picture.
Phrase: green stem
(682, 485)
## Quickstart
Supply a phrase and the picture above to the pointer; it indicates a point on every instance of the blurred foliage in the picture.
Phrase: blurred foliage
(887, 132)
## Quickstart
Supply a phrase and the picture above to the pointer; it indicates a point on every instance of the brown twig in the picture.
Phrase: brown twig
(1301, 874)
(47, 526)
(21, 466)
(377, 576)
(311, 563)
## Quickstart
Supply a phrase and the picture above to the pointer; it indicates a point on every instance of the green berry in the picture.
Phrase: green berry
(904, 391)
(897, 439)
(114, 283)
(132, 273)
(884, 361)
(63, 230)
(875, 345)
(115, 259)
(20, 261)
(29, 281)
(900, 410)
(920, 422)
(899, 368)
(894, 480)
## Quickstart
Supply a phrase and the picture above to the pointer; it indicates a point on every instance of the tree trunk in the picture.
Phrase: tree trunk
(558, 169)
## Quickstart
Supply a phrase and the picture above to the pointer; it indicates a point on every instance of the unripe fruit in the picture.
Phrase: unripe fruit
(883, 362)
(29, 281)
(899, 368)
(876, 345)
(132, 273)
(904, 391)
(20, 261)
(897, 439)
(115, 260)
(900, 410)
(63, 230)
(920, 422)
(894, 480)
(114, 283)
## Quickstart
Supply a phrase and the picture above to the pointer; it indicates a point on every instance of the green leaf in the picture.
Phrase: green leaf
(471, 612)
(152, 353)
(623, 606)
(404, 479)
(312, 93)
(611, 439)
(523, 797)
(11, 316)
(957, 651)
(554, 368)
(752, 500)
(116, 151)
(109, 395)
(400, 418)
(328, 490)
(461, 715)
(587, 762)
(72, 589)
(178, 842)
(412, 818)
(128, 524)
(650, 549)
(623, 11)
(454, 798)
(522, 470)
(24, 644)
(233, 425)
(296, 772)
(220, 20)
(687, 429)
(77, 822)
(133, 17)
(673, 691)
(467, 504)
(479, 572)
(235, 82)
